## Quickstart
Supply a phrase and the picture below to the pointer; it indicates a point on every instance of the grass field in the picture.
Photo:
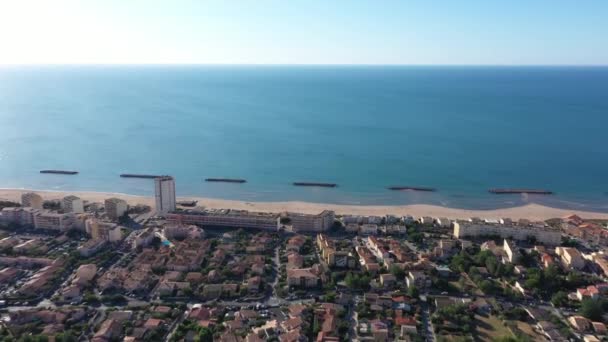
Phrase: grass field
(489, 328)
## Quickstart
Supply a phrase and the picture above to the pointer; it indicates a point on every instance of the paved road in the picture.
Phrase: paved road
(429, 334)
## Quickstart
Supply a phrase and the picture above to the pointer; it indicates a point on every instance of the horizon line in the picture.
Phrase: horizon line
(306, 64)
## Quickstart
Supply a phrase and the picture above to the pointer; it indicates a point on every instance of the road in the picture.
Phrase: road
(429, 333)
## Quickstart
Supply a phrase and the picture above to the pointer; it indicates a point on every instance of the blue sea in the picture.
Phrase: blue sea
(461, 130)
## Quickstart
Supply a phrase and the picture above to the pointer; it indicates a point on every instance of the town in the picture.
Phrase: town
(74, 270)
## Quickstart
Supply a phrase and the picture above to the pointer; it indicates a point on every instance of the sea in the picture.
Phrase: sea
(459, 129)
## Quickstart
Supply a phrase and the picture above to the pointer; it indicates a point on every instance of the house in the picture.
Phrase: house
(591, 292)
(110, 329)
(368, 229)
(153, 323)
(211, 291)
(511, 251)
(254, 284)
(379, 330)
(417, 279)
(571, 257)
(590, 338)
(579, 323)
(388, 280)
(302, 277)
(599, 328)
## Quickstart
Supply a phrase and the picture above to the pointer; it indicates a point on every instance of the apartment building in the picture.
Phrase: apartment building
(312, 223)
(72, 204)
(164, 194)
(115, 207)
(31, 200)
(225, 218)
(103, 230)
(570, 257)
(542, 234)
(45, 219)
(332, 256)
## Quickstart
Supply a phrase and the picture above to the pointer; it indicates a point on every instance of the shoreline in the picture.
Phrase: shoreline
(529, 211)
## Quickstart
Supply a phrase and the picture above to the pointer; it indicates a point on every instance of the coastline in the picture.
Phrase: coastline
(529, 211)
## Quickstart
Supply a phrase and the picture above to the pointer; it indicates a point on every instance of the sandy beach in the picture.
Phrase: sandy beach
(531, 211)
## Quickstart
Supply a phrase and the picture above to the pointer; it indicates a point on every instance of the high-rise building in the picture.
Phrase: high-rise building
(72, 204)
(32, 200)
(164, 189)
(115, 207)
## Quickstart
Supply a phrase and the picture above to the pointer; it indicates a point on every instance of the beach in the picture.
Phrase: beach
(530, 211)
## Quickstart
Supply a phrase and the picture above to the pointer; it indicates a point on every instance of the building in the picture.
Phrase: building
(91, 247)
(72, 204)
(542, 234)
(444, 222)
(103, 230)
(333, 257)
(85, 274)
(115, 207)
(164, 194)
(31, 200)
(579, 323)
(417, 279)
(571, 257)
(368, 229)
(21, 216)
(226, 218)
(45, 219)
(511, 251)
(312, 223)
(302, 277)
(183, 232)
(388, 280)
(144, 238)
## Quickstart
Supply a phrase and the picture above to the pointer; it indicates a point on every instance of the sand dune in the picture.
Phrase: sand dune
(530, 211)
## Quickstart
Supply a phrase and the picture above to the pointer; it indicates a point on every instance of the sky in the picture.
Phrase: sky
(462, 32)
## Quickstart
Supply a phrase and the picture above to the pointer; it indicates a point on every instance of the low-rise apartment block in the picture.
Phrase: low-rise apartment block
(312, 223)
(570, 257)
(332, 256)
(542, 234)
(103, 230)
(225, 218)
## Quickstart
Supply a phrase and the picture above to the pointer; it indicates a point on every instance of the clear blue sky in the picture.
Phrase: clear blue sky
(305, 32)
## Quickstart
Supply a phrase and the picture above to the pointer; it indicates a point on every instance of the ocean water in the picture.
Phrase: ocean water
(461, 130)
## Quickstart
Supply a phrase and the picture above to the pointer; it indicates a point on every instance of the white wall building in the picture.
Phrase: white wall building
(72, 204)
(545, 235)
(164, 191)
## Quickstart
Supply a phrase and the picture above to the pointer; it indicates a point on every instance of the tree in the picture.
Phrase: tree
(560, 298)
(592, 309)
(413, 291)
(397, 272)
(205, 335)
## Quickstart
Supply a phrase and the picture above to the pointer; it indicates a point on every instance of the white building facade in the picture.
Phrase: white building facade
(164, 191)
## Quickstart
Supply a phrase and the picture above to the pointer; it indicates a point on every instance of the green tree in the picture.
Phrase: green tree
(398, 272)
(592, 309)
(205, 335)
(413, 291)
(560, 298)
